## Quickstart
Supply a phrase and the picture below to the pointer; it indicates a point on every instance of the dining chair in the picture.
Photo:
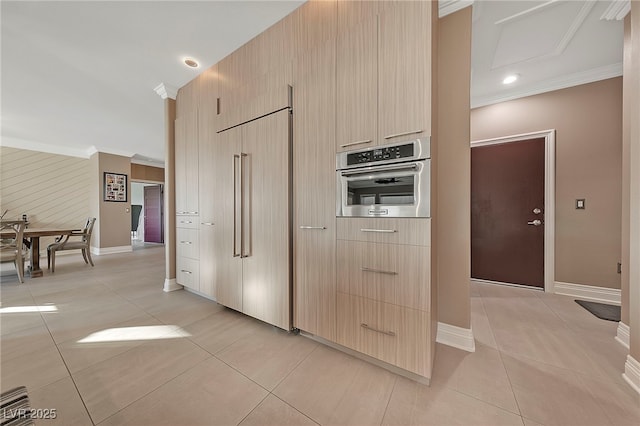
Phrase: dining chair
(11, 249)
(63, 243)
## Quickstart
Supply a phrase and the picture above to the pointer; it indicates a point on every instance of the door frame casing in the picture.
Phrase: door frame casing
(549, 194)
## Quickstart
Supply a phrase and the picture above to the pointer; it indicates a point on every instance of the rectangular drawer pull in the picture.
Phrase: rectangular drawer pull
(185, 271)
(356, 143)
(388, 333)
(384, 231)
(186, 242)
(403, 134)
(185, 221)
(379, 271)
(313, 227)
(207, 223)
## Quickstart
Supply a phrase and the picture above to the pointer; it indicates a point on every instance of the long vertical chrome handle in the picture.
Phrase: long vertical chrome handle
(235, 203)
(243, 208)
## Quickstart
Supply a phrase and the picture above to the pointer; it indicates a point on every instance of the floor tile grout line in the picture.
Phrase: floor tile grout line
(155, 389)
(67, 368)
(254, 408)
(288, 404)
(386, 408)
(500, 354)
(295, 367)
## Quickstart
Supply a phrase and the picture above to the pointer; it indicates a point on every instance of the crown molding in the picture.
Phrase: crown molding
(157, 164)
(94, 150)
(617, 10)
(44, 147)
(166, 91)
(447, 7)
(563, 82)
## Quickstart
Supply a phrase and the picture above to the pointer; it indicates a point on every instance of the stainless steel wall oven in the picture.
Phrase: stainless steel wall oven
(390, 180)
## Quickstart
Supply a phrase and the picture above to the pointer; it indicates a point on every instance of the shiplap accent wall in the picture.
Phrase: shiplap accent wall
(53, 190)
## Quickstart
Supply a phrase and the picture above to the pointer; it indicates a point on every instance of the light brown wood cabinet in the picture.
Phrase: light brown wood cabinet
(186, 167)
(384, 290)
(391, 273)
(187, 252)
(404, 71)
(252, 171)
(383, 73)
(209, 216)
(393, 334)
(315, 192)
(228, 276)
(357, 83)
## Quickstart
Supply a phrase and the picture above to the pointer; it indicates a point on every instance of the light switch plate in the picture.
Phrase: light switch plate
(580, 204)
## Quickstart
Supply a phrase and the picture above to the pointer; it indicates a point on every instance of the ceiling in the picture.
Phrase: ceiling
(79, 76)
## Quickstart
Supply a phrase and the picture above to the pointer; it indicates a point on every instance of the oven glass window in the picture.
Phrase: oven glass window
(388, 191)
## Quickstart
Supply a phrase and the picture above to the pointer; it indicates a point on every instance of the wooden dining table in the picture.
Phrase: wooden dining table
(33, 236)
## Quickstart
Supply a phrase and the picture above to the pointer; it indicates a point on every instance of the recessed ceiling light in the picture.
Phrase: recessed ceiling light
(191, 63)
(510, 79)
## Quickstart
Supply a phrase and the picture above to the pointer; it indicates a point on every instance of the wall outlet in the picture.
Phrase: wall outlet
(580, 204)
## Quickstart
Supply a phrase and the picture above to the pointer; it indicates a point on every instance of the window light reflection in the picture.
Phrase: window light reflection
(123, 334)
(23, 309)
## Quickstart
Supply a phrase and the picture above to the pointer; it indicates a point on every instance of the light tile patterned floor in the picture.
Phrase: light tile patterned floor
(540, 360)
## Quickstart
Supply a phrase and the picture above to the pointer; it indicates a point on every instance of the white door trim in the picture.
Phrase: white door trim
(549, 194)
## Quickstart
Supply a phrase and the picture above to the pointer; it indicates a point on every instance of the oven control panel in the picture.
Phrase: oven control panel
(381, 154)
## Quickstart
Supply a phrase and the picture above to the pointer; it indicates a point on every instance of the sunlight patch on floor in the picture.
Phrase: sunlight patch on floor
(151, 332)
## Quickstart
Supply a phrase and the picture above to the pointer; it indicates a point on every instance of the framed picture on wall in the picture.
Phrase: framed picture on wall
(115, 187)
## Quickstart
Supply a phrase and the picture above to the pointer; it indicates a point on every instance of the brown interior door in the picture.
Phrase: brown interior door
(153, 224)
(507, 212)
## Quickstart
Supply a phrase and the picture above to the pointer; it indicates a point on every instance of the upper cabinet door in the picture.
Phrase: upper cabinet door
(180, 166)
(191, 163)
(357, 86)
(405, 71)
(186, 163)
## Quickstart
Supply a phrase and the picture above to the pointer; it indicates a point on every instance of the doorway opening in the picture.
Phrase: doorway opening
(147, 215)
(513, 211)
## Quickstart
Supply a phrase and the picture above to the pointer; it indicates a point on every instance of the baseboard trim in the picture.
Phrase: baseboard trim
(591, 293)
(98, 251)
(170, 284)
(622, 335)
(632, 373)
(458, 337)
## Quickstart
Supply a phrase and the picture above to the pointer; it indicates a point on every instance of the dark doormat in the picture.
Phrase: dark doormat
(601, 310)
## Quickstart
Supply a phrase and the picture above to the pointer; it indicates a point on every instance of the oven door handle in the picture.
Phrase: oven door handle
(370, 170)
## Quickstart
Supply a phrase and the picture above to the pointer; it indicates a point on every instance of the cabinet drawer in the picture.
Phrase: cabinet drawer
(410, 231)
(187, 243)
(188, 272)
(391, 273)
(396, 335)
(186, 221)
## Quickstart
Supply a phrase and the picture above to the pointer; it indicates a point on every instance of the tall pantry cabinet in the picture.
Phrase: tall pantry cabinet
(209, 215)
(187, 187)
(314, 192)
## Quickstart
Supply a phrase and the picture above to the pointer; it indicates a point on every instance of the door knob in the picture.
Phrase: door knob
(537, 211)
(536, 222)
